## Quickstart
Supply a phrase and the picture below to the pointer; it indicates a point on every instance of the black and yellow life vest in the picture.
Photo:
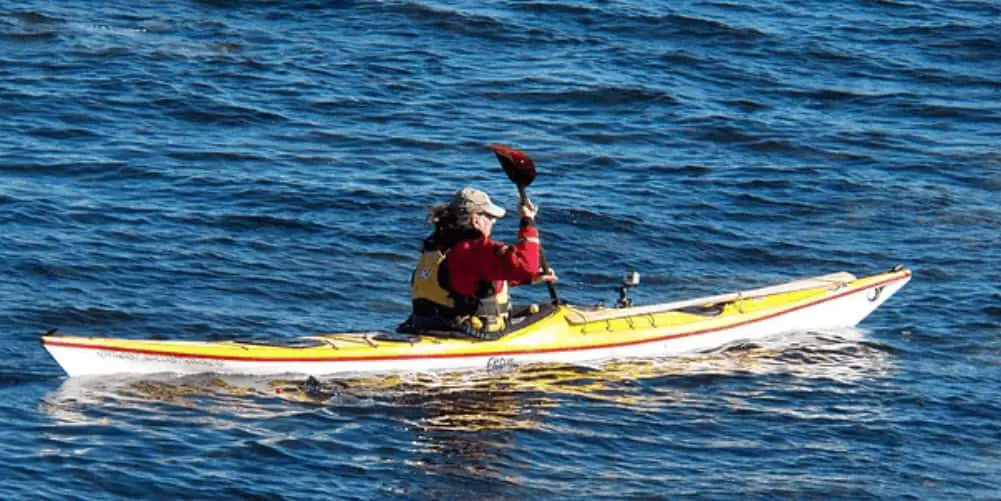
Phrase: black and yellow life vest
(438, 308)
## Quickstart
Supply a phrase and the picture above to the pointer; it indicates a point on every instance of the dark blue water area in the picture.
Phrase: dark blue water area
(222, 169)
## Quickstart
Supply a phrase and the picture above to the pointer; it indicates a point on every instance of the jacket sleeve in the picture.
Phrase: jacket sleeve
(517, 263)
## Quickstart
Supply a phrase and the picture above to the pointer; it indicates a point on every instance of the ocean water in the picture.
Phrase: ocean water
(221, 169)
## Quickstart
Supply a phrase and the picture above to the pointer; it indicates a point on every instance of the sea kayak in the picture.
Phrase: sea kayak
(554, 333)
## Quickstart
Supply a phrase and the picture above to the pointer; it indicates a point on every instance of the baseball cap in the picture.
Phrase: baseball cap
(475, 201)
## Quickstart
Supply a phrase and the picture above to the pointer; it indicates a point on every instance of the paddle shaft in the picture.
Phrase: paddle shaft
(542, 256)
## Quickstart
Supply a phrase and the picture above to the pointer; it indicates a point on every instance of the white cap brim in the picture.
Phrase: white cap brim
(494, 210)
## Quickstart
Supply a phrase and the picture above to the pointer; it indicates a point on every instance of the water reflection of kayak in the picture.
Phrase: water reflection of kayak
(557, 333)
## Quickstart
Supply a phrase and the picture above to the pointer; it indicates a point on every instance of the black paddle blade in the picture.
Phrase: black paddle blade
(519, 167)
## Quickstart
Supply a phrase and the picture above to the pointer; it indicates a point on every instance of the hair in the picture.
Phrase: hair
(452, 225)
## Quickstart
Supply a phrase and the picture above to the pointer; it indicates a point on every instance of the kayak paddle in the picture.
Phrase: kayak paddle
(520, 169)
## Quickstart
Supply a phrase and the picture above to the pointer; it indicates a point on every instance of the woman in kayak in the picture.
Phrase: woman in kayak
(462, 278)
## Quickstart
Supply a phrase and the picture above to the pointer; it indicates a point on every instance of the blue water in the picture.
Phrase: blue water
(221, 169)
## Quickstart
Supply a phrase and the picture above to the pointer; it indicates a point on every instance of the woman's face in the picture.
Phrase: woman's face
(484, 223)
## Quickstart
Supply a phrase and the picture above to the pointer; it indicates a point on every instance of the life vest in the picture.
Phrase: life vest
(438, 308)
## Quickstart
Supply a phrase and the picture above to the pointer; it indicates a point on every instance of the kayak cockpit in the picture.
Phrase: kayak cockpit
(520, 319)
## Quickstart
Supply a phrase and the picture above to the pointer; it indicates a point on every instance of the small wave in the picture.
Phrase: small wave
(555, 8)
(263, 221)
(774, 146)
(226, 115)
(827, 95)
(397, 257)
(934, 75)
(583, 218)
(790, 147)
(748, 105)
(34, 36)
(685, 170)
(104, 28)
(66, 168)
(684, 57)
(872, 138)
(712, 27)
(416, 142)
(203, 111)
(15, 377)
(204, 181)
(32, 17)
(989, 46)
(129, 171)
(458, 21)
(619, 138)
(944, 32)
(112, 52)
(62, 132)
(826, 53)
(57, 270)
(759, 184)
(209, 155)
(88, 316)
(900, 5)
(595, 96)
(341, 103)
(600, 161)
(720, 133)
(932, 110)
(674, 25)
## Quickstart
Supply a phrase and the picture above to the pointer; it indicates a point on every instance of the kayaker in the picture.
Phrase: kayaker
(462, 278)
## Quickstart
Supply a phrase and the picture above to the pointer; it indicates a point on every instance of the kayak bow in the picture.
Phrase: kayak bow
(558, 334)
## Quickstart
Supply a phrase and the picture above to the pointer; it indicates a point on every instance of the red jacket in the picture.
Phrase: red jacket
(471, 262)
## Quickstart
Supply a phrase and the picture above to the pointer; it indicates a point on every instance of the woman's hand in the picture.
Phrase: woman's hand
(549, 276)
(528, 210)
